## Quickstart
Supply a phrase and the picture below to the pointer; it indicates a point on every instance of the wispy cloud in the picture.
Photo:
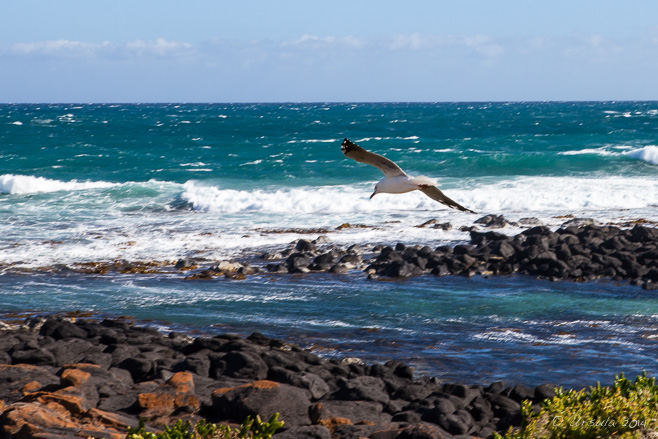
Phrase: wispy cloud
(482, 44)
(317, 42)
(414, 66)
(593, 47)
(56, 48)
(80, 49)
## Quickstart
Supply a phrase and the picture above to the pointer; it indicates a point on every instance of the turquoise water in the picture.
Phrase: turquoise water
(156, 183)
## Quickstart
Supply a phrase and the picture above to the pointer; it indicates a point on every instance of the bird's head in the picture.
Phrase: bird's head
(375, 192)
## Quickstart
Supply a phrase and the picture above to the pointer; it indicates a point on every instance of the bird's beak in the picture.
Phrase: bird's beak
(373, 194)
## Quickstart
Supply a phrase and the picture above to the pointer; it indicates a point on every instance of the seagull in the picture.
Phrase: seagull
(395, 180)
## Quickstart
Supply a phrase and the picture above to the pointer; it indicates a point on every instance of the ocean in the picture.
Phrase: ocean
(155, 183)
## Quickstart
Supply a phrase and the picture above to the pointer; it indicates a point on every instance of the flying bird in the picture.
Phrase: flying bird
(395, 180)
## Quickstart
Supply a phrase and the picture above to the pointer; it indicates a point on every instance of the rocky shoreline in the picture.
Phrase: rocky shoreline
(579, 253)
(580, 250)
(67, 378)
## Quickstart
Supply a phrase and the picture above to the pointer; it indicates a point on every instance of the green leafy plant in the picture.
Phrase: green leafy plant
(251, 428)
(628, 409)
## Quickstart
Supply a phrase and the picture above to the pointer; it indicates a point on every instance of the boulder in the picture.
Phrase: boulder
(356, 412)
(363, 388)
(59, 328)
(263, 398)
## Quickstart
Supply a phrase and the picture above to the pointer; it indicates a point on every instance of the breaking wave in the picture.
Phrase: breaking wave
(648, 154)
(29, 184)
(523, 194)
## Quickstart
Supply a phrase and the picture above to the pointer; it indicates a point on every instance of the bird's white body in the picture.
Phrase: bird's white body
(401, 184)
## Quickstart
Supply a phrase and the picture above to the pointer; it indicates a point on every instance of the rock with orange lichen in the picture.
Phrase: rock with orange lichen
(262, 398)
(154, 405)
(19, 379)
(174, 396)
(31, 387)
(76, 405)
(74, 377)
(182, 382)
(52, 420)
(30, 419)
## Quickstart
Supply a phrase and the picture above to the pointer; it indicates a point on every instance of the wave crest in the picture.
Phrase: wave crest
(523, 194)
(648, 154)
(30, 184)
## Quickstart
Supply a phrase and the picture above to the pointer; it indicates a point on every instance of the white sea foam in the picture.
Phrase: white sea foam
(255, 162)
(594, 151)
(143, 220)
(523, 194)
(313, 141)
(648, 154)
(29, 184)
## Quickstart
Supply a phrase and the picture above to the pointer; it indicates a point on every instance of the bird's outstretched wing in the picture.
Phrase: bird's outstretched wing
(435, 193)
(354, 151)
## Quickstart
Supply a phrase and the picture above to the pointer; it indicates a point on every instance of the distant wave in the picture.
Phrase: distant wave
(603, 151)
(522, 194)
(29, 184)
(648, 154)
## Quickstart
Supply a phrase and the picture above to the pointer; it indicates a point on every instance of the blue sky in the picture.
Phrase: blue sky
(264, 51)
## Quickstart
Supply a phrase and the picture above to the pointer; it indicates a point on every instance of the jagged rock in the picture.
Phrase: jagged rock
(364, 388)
(492, 221)
(354, 411)
(305, 246)
(263, 398)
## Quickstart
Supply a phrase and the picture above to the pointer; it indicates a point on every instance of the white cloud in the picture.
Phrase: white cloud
(593, 46)
(159, 47)
(482, 44)
(57, 48)
(316, 42)
(79, 49)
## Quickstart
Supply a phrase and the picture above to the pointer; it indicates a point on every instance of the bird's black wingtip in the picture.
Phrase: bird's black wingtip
(348, 146)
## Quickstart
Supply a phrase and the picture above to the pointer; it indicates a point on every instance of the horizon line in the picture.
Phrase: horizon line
(494, 101)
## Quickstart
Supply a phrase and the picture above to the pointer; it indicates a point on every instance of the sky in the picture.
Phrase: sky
(321, 51)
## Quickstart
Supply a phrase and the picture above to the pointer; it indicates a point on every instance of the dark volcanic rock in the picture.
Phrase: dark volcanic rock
(263, 398)
(573, 252)
(296, 262)
(59, 329)
(492, 221)
(363, 388)
(160, 378)
(401, 269)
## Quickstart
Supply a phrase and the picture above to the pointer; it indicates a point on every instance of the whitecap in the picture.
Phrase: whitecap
(195, 164)
(593, 151)
(29, 184)
(313, 141)
(648, 154)
(521, 194)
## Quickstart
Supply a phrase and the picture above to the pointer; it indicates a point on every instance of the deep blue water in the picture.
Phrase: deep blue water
(155, 183)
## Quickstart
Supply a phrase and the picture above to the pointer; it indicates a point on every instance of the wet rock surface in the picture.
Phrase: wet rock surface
(118, 373)
(575, 252)
(580, 250)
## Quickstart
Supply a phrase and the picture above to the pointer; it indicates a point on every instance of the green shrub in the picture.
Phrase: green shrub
(625, 410)
(250, 429)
